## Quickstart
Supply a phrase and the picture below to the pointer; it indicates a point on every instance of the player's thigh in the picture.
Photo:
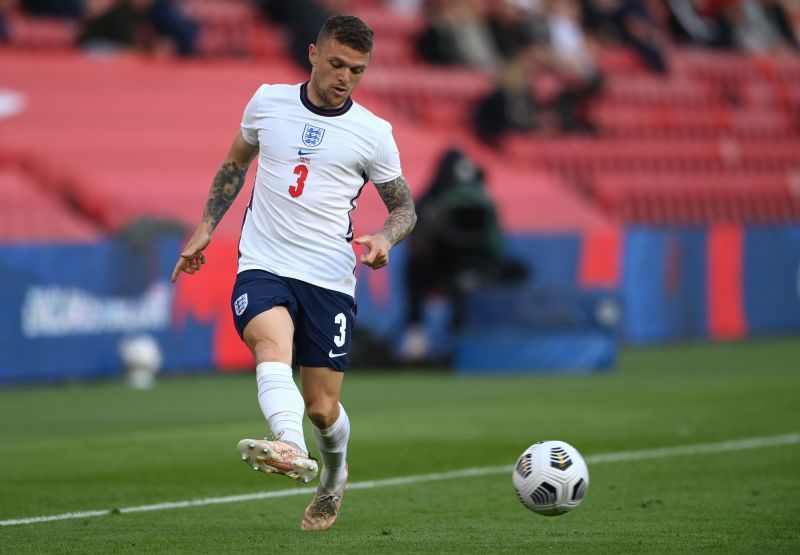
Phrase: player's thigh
(269, 335)
(264, 311)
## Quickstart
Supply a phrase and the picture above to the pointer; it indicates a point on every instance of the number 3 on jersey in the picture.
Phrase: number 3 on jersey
(341, 320)
(301, 171)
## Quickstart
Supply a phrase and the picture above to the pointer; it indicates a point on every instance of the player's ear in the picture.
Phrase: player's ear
(312, 54)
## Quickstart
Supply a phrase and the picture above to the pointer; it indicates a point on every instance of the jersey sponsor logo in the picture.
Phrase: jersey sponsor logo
(312, 136)
(301, 152)
(335, 355)
(240, 304)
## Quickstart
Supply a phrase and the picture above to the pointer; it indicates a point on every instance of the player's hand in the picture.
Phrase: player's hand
(378, 254)
(192, 257)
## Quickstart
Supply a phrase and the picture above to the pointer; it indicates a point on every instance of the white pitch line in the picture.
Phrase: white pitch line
(681, 450)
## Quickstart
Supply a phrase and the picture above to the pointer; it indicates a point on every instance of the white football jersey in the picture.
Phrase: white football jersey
(312, 165)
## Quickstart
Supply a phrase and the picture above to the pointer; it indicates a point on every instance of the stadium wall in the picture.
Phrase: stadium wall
(722, 282)
(65, 308)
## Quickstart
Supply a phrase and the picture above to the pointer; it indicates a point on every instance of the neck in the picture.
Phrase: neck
(315, 107)
(318, 100)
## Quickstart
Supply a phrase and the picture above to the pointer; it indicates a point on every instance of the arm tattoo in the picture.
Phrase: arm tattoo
(226, 185)
(397, 197)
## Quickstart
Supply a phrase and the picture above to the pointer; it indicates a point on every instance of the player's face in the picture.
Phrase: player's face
(336, 70)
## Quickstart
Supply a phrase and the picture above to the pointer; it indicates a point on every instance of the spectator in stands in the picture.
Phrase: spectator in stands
(598, 18)
(456, 246)
(760, 26)
(722, 12)
(511, 23)
(138, 25)
(111, 25)
(72, 9)
(563, 52)
(404, 6)
(5, 5)
(511, 106)
(749, 25)
(572, 60)
(171, 23)
(302, 19)
(641, 25)
(691, 24)
(779, 16)
(457, 34)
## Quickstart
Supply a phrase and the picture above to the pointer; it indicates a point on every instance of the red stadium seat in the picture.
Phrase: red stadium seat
(668, 148)
(387, 23)
(45, 34)
(229, 28)
(29, 214)
(391, 51)
(691, 199)
(664, 121)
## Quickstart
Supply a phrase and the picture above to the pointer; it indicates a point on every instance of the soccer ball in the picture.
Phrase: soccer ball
(142, 359)
(551, 478)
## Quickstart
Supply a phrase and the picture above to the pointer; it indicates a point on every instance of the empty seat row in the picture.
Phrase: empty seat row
(29, 214)
(695, 198)
(643, 121)
(585, 155)
(711, 64)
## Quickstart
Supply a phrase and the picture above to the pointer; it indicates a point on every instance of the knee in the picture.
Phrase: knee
(270, 351)
(322, 412)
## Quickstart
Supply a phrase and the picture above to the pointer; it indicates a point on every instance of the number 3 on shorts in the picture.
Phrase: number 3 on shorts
(340, 319)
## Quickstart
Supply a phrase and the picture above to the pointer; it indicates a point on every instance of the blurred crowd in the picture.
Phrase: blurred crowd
(551, 43)
(483, 34)
(560, 39)
(113, 25)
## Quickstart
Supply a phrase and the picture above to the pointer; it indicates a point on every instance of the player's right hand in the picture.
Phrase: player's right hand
(192, 257)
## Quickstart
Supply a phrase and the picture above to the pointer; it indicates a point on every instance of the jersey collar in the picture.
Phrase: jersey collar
(327, 112)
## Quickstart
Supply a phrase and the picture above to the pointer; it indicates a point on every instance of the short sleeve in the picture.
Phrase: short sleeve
(385, 164)
(250, 117)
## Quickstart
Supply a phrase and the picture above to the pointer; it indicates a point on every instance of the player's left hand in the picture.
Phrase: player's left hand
(378, 254)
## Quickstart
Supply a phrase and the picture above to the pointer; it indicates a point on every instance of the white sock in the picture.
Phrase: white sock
(332, 445)
(281, 402)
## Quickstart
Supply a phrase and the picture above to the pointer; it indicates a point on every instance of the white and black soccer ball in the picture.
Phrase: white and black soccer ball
(551, 478)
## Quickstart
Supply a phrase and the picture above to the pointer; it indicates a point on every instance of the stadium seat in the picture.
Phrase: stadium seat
(231, 28)
(665, 121)
(696, 198)
(29, 214)
(387, 23)
(648, 90)
(41, 34)
(391, 51)
(715, 115)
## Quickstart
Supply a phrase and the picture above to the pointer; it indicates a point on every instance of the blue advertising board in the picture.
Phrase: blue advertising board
(65, 308)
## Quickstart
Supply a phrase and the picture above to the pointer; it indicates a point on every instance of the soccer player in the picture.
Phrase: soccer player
(295, 285)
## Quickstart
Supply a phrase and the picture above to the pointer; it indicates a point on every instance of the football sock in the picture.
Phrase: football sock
(332, 445)
(281, 402)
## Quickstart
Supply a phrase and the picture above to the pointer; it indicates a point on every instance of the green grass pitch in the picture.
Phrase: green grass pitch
(103, 447)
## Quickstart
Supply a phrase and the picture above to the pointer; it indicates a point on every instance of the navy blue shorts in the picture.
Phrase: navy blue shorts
(323, 319)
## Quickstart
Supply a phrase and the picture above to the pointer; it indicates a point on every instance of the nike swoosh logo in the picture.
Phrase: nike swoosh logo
(301, 153)
(335, 355)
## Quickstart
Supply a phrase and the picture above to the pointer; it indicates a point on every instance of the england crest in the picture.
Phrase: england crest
(312, 136)
(240, 304)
